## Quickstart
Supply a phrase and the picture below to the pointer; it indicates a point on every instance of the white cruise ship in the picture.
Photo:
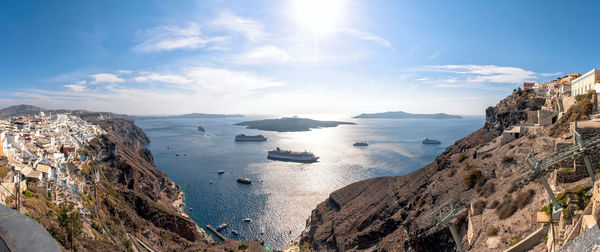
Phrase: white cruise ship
(243, 137)
(292, 156)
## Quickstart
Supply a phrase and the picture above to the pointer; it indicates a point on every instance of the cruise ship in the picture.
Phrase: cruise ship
(430, 141)
(242, 137)
(292, 156)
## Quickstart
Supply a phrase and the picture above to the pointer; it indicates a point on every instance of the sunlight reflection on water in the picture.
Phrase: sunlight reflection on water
(283, 194)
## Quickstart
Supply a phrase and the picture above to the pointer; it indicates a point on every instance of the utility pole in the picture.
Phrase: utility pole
(534, 164)
(442, 219)
(588, 165)
(18, 190)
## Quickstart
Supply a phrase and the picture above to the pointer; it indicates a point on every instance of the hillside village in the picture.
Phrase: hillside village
(560, 150)
(41, 150)
(552, 156)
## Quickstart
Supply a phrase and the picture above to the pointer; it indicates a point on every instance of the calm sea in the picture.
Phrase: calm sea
(282, 195)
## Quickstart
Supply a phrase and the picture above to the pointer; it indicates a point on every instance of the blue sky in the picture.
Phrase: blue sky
(287, 57)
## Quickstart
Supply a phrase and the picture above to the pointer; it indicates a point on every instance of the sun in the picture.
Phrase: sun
(319, 17)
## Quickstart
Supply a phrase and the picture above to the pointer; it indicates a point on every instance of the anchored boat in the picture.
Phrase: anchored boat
(244, 180)
(222, 226)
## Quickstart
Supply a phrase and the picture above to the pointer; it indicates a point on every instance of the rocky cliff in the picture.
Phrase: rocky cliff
(392, 213)
(145, 200)
(137, 203)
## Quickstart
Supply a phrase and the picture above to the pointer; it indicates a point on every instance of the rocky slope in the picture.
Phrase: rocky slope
(135, 199)
(392, 213)
(152, 202)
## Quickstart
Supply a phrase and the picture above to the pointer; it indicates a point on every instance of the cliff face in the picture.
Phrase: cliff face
(392, 213)
(511, 110)
(143, 198)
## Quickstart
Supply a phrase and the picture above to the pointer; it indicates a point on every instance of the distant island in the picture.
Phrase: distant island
(290, 124)
(405, 115)
(192, 115)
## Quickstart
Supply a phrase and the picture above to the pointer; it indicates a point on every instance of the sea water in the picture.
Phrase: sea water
(283, 194)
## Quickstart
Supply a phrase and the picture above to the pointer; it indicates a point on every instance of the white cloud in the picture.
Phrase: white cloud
(170, 37)
(557, 74)
(484, 73)
(214, 80)
(362, 35)
(77, 87)
(264, 54)
(124, 71)
(251, 29)
(435, 54)
(165, 78)
(106, 78)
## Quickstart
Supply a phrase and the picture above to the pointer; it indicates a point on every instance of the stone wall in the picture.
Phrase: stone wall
(596, 202)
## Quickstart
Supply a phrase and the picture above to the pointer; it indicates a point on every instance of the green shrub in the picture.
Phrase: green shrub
(462, 157)
(478, 207)
(4, 170)
(579, 111)
(513, 187)
(451, 172)
(524, 198)
(492, 231)
(486, 190)
(548, 209)
(509, 206)
(514, 240)
(28, 193)
(486, 155)
(473, 178)
(243, 246)
(507, 159)
(494, 204)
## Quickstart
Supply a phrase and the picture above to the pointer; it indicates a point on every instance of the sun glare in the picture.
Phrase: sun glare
(318, 16)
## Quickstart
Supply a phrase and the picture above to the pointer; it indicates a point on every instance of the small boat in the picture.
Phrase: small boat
(247, 220)
(200, 128)
(361, 144)
(190, 209)
(431, 141)
(210, 182)
(234, 232)
(222, 226)
(177, 154)
(244, 180)
(220, 172)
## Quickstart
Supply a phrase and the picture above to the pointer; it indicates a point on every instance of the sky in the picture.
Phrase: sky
(287, 56)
